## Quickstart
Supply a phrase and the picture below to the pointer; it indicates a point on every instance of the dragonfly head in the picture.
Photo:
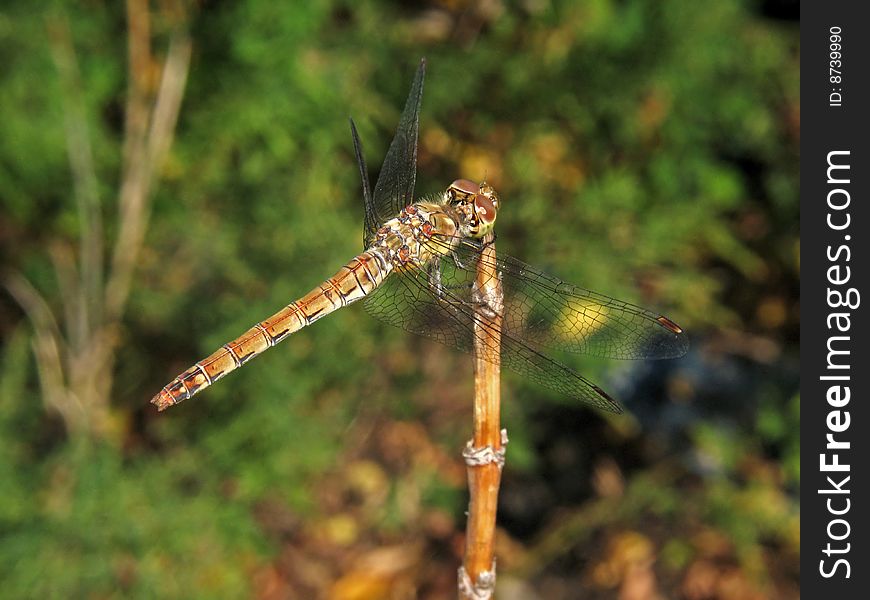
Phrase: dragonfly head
(476, 203)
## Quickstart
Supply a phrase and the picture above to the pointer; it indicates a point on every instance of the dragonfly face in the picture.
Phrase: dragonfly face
(477, 204)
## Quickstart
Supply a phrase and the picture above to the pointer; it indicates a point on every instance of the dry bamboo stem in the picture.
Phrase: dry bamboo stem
(484, 479)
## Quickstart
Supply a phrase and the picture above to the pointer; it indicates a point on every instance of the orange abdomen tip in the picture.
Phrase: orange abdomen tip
(162, 400)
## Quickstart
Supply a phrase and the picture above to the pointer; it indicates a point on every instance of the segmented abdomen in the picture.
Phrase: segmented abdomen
(353, 281)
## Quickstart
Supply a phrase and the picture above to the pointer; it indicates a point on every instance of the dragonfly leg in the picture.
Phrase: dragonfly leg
(434, 272)
(435, 282)
(478, 246)
(458, 262)
(441, 291)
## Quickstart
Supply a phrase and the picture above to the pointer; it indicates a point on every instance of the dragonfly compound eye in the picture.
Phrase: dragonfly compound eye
(463, 187)
(484, 208)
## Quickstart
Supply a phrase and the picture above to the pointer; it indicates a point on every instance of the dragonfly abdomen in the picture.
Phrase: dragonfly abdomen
(353, 281)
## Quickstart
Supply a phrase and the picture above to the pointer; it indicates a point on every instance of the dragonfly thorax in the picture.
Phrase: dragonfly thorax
(422, 233)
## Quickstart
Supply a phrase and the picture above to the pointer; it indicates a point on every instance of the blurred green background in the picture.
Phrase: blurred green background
(646, 150)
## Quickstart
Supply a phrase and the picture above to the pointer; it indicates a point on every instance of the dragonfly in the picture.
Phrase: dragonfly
(418, 272)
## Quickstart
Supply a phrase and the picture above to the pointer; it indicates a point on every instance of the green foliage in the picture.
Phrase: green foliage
(99, 531)
(643, 149)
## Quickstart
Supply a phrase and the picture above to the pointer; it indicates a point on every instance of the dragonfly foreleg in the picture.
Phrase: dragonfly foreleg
(435, 284)
(444, 292)
(438, 285)
(477, 246)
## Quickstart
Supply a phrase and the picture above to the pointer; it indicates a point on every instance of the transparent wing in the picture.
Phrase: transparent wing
(546, 312)
(540, 311)
(395, 187)
(415, 301)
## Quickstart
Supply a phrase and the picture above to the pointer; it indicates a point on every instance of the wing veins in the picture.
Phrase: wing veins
(607, 327)
(515, 354)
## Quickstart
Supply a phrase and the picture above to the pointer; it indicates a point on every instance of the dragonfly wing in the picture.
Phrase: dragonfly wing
(363, 171)
(550, 313)
(395, 187)
(438, 305)
(546, 312)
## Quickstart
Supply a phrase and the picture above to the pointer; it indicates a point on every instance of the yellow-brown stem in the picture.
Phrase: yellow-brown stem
(484, 480)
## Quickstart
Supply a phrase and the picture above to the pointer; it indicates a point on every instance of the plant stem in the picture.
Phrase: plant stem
(76, 369)
(484, 479)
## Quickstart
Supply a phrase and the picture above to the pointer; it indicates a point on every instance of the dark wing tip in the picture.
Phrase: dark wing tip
(668, 324)
(673, 341)
(611, 404)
